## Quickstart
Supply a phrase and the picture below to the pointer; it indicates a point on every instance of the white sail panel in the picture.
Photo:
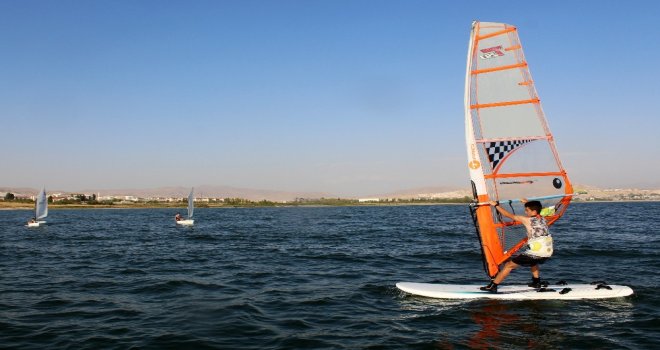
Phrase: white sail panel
(191, 203)
(512, 122)
(498, 86)
(41, 205)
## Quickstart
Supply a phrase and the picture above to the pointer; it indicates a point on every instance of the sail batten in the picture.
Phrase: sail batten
(506, 176)
(500, 68)
(504, 103)
(511, 151)
(546, 137)
(503, 31)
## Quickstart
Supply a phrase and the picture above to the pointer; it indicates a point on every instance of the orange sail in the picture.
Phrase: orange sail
(511, 151)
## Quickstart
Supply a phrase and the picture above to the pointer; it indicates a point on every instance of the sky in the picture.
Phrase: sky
(345, 97)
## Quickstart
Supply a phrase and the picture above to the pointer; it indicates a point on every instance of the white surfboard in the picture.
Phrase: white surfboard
(512, 292)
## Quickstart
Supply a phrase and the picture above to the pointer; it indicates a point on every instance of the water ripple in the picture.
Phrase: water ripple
(260, 278)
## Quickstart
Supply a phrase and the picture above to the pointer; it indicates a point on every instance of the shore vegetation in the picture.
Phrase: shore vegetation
(226, 202)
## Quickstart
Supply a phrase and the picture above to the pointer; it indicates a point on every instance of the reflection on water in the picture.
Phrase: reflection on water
(492, 319)
(497, 324)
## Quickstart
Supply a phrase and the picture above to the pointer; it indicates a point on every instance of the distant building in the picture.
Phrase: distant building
(364, 200)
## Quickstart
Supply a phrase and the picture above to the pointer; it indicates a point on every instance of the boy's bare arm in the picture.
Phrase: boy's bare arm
(504, 212)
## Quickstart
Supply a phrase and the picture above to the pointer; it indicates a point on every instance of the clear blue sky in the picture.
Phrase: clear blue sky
(347, 97)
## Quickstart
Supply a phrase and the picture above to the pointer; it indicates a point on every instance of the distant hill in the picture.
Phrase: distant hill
(585, 192)
(180, 192)
(427, 192)
(20, 191)
(248, 193)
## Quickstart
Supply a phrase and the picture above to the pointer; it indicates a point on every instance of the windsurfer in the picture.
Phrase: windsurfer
(539, 243)
(178, 217)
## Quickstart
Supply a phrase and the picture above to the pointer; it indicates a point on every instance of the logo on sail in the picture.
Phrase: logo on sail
(528, 182)
(491, 52)
(474, 164)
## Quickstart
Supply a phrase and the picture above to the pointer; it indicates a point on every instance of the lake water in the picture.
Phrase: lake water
(322, 277)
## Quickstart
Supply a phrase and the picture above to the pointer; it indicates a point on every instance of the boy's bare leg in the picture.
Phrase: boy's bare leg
(535, 271)
(510, 265)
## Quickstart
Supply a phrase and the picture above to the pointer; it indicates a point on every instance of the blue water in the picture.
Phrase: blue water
(274, 278)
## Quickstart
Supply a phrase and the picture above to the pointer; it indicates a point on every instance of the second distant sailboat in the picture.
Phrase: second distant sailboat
(191, 208)
(40, 209)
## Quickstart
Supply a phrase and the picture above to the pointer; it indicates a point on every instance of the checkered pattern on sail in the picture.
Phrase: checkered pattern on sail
(498, 150)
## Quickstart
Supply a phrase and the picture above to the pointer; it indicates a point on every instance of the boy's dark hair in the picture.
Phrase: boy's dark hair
(534, 205)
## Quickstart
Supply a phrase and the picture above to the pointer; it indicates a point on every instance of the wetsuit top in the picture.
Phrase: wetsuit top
(539, 239)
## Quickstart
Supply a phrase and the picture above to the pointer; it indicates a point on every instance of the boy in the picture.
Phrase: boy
(539, 242)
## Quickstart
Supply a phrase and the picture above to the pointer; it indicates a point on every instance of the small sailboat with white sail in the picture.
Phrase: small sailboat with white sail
(191, 208)
(40, 209)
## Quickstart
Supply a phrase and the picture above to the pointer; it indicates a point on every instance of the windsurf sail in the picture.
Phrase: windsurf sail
(511, 151)
(41, 205)
(191, 203)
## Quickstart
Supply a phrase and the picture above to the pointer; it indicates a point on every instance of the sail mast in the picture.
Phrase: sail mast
(490, 245)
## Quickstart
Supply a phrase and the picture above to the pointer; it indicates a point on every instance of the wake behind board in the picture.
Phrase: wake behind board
(512, 292)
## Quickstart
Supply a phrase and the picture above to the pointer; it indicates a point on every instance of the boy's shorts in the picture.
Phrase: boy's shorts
(528, 260)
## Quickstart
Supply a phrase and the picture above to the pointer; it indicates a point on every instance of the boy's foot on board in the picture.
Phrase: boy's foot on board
(491, 287)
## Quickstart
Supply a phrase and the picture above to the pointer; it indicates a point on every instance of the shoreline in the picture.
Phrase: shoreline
(28, 206)
(283, 205)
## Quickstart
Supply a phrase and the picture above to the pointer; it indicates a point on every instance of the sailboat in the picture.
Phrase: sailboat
(40, 209)
(191, 208)
(511, 155)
